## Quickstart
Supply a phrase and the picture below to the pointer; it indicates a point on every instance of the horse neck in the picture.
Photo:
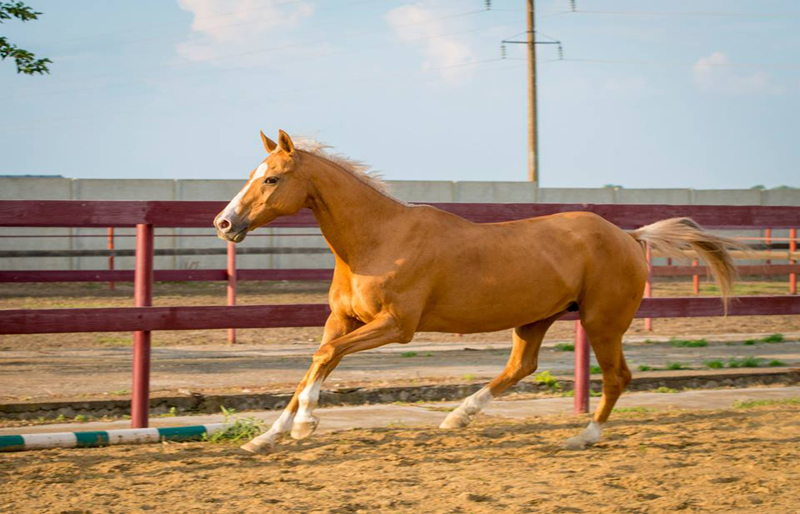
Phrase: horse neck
(354, 217)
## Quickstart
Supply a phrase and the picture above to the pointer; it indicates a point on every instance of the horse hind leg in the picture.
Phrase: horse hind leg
(607, 346)
(521, 363)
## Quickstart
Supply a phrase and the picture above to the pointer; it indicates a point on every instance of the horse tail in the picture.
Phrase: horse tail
(675, 237)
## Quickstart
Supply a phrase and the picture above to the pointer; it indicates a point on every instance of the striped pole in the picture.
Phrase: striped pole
(12, 443)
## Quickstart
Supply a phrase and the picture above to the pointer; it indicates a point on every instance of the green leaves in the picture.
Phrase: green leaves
(26, 61)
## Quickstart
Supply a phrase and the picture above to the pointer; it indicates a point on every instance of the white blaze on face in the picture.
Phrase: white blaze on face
(232, 209)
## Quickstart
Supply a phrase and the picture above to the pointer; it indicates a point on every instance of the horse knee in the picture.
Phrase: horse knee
(324, 355)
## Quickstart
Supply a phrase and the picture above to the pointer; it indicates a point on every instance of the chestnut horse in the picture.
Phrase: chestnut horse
(404, 268)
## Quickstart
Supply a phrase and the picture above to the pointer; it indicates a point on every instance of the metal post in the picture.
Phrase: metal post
(111, 257)
(533, 148)
(792, 249)
(648, 286)
(231, 286)
(581, 392)
(143, 297)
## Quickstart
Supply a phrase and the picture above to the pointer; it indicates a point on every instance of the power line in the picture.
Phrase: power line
(684, 64)
(228, 70)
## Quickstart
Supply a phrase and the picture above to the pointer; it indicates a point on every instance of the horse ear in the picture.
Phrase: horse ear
(269, 144)
(285, 142)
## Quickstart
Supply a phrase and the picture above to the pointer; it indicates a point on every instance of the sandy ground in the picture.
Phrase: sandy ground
(66, 295)
(733, 460)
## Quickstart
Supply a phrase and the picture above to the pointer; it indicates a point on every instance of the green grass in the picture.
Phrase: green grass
(80, 418)
(638, 410)
(747, 404)
(565, 347)
(745, 362)
(546, 379)
(408, 354)
(663, 389)
(715, 364)
(469, 376)
(774, 338)
(241, 429)
(595, 369)
(750, 342)
(775, 363)
(676, 366)
(688, 343)
(645, 367)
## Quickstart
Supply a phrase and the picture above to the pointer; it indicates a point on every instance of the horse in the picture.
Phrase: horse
(402, 268)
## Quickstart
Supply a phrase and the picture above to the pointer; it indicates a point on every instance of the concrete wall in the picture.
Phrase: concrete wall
(417, 191)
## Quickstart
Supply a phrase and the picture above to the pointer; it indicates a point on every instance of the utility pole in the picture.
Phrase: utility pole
(533, 144)
(533, 129)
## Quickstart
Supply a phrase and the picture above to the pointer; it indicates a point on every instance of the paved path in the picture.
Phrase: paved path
(367, 416)
(96, 372)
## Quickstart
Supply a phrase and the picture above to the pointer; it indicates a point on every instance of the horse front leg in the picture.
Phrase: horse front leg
(334, 327)
(384, 329)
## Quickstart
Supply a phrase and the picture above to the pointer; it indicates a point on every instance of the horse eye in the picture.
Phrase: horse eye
(271, 180)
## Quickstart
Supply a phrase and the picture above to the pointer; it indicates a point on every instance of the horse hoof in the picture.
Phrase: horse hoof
(576, 443)
(455, 422)
(258, 449)
(303, 429)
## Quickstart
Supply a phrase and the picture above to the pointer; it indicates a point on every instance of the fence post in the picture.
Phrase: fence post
(231, 286)
(648, 286)
(580, 399)
(792, 249)
(143, 297)
(111, 257)
(695, 279)
(768, 242)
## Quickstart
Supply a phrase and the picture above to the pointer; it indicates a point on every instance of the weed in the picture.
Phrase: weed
(773, 338)
(638, 410)
(663, 389)
(595, 369)
(408, 354)
(595, 394)
(469, 376)
(745, 362)
(80, 418)
(676, 366)
(747, 404)
(239, 429)
(61, 418)
(715, 364)
(570, 393)
(428, 354)
(688, 343)
(546, 379)
(645, 367)
(749, 342)
(775, 362)
(565, 347)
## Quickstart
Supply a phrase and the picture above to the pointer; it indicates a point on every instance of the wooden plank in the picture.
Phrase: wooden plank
(285, 274)
(49, 321)
(71, 213)
(745, 271)
(129, 319)
(252, 250)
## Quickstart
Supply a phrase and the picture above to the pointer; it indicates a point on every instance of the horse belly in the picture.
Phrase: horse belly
(487, 308)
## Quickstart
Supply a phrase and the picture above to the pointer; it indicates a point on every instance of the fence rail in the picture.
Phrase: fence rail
(144, 318)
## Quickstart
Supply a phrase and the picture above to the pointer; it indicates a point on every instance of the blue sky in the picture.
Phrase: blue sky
(698, 93)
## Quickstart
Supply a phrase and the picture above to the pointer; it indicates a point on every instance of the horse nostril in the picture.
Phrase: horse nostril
(224, 224)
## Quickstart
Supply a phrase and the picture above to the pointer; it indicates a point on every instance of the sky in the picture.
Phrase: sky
(649, 93)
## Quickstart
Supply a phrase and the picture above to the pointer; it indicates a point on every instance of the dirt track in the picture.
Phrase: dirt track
(711, 461)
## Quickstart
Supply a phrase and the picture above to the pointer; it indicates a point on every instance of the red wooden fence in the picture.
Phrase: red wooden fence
(144, 318)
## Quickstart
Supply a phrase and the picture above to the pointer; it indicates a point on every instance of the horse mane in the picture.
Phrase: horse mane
(356, 168)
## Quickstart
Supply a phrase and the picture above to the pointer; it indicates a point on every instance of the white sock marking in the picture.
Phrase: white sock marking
(469, 407)
(308, 398)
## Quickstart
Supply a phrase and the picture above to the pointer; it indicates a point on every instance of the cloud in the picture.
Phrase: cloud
(225, 27)
(717, 73)
(420, 26)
